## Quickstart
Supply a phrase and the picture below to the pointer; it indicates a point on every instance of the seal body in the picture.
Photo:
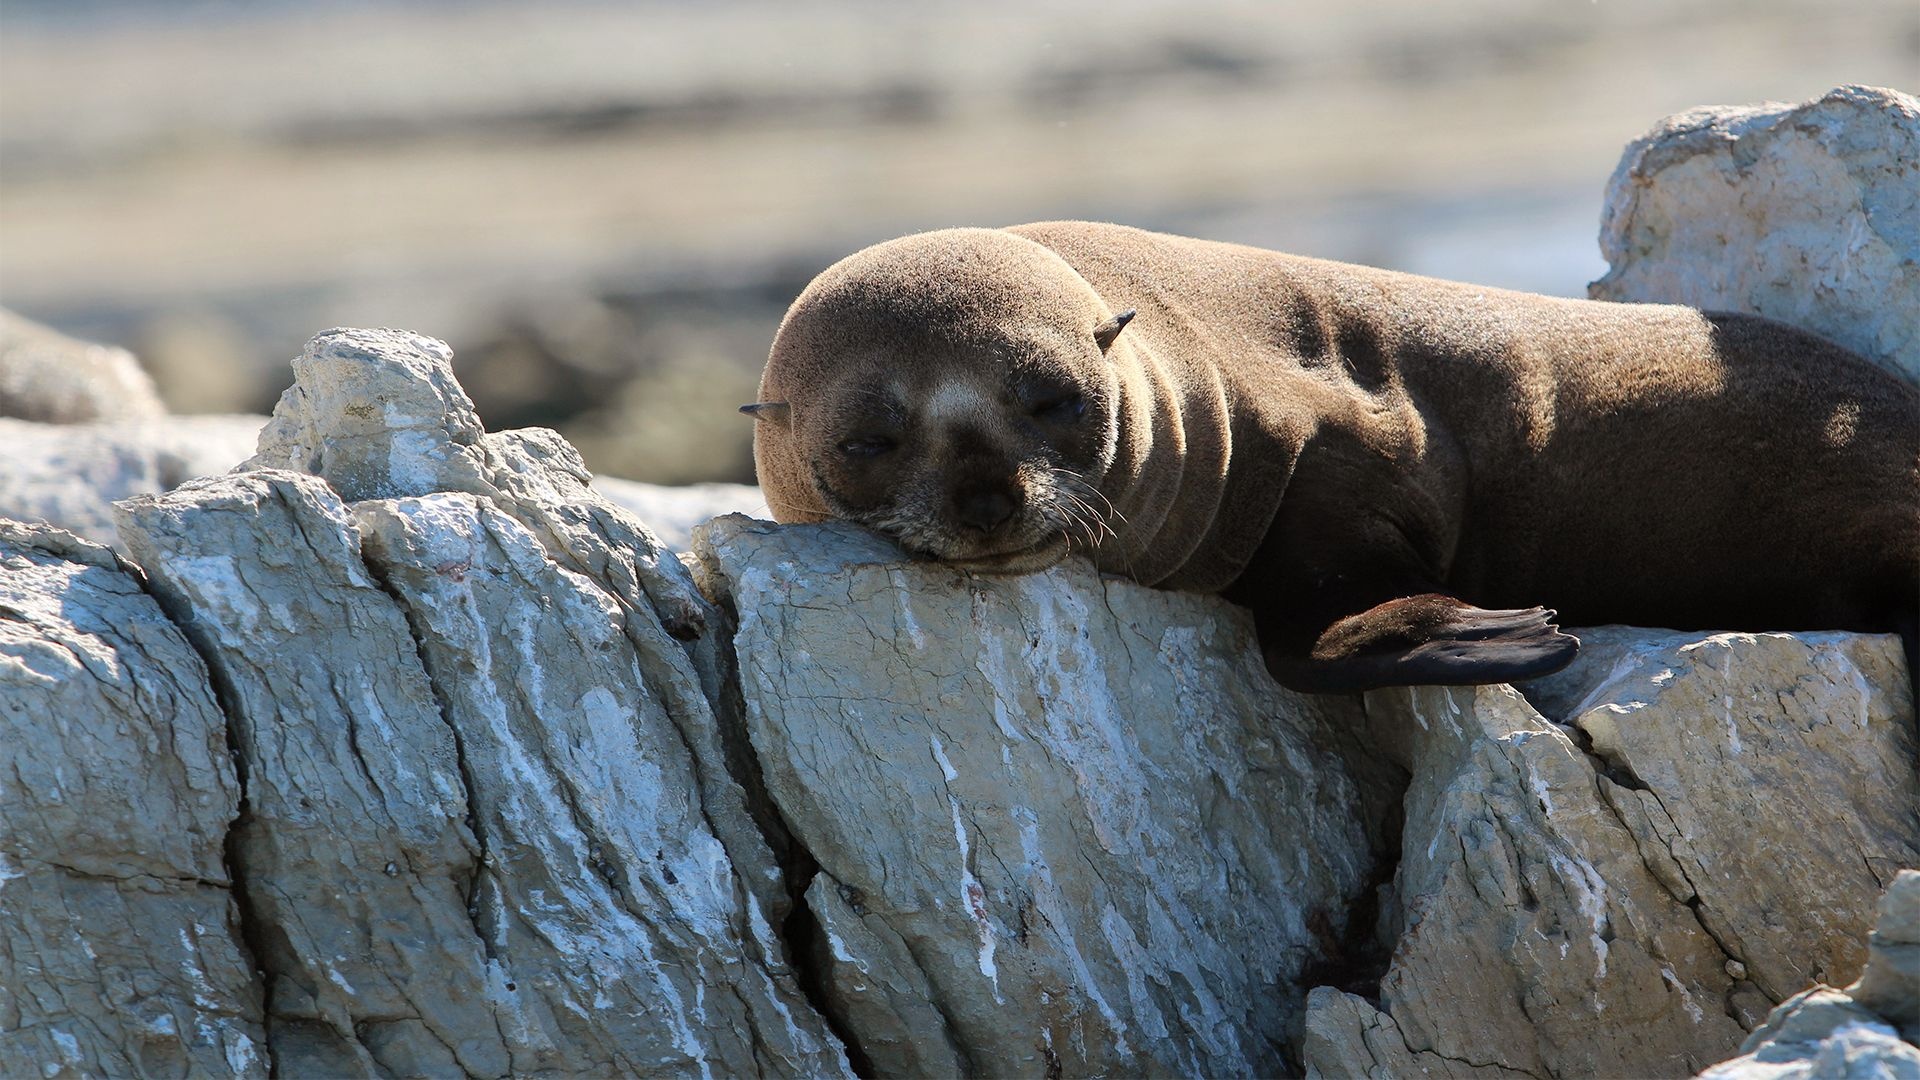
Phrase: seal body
(1394, 472)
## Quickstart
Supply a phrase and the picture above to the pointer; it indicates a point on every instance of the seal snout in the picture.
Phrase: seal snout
(986, 507)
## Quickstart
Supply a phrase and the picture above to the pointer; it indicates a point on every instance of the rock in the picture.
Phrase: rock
(491, 827)
(48, 377)
(1628, 891)
(1776, 771)
(1822, 1035)
(354, 859)
(1063, 825)
(120, 950)
(473, 775)
(1535, 938)
(1347, 1037)
(1806, 213)
(1890, 985)
(1825, 1033)
(70, 475)
(378, 414)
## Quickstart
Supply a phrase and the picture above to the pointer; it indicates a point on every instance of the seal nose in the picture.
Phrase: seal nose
(984, 508)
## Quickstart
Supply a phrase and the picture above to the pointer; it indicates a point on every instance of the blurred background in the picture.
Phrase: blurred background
(606, 207)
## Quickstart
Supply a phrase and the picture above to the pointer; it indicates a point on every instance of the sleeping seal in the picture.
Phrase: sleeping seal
(1396, 474)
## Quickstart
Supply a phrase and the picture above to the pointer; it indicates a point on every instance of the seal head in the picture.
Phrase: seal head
(959, 391)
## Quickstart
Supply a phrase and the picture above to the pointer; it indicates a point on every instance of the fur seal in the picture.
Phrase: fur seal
(1393, 472)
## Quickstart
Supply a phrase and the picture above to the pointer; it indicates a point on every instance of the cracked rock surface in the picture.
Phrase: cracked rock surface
(488, 826)
(400, 751)
(120, 950)
(1064, 825)
(1805, 213)
(1630, 891)
(1867, 1030)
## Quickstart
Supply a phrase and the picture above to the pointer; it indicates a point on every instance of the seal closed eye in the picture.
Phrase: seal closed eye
(1393, 472)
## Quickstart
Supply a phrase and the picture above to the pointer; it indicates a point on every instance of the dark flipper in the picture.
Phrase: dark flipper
(1428, 640)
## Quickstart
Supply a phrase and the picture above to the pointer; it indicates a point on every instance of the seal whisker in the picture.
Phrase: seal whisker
(1081, 513)
(1080, 484)
(1071, 485)
(778, 505)
(1084, 526)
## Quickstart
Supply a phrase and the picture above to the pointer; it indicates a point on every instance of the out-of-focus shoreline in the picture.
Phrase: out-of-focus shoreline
(609, 206)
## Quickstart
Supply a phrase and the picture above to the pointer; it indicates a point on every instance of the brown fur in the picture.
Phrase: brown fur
(1331, 443)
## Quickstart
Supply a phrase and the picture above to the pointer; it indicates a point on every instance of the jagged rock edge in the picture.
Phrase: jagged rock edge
(1600, 769)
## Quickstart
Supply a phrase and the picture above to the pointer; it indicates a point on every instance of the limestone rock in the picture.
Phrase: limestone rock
(1063, 825)
(1806, 213)
(1628, 891)
(1827, 1034)
(491, 826)
(120, 951)
(48, 377)
(1535, 937)
(584, 791)
(70, 475)
(379, 414)
(1775, 771)
(1890, 985)
(1347, 1037)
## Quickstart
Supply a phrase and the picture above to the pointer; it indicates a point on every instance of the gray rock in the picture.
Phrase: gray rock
(464, 704)
(48, 377)
(1828, 1034)
(1806, 213)
(1773, 772)
(354, 859)
(1064, 825)
(1890, 985)
(1534, 936)
(70, 475)
(604, 890)
(1347, 1037)
(379, 415)
(120, 950)
(1629, 891)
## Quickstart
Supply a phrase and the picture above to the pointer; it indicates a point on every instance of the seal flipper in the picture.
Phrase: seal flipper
(1427, 640)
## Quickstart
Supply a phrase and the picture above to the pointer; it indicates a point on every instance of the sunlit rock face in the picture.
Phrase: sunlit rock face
(1645, 852)
(489, 825)
(1808, 213)
(1063, 824)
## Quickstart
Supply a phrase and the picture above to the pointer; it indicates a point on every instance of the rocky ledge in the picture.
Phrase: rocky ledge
(400, 750)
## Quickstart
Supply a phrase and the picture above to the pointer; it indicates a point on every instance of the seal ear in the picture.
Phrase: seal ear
(768, 410)
(1104, 334)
